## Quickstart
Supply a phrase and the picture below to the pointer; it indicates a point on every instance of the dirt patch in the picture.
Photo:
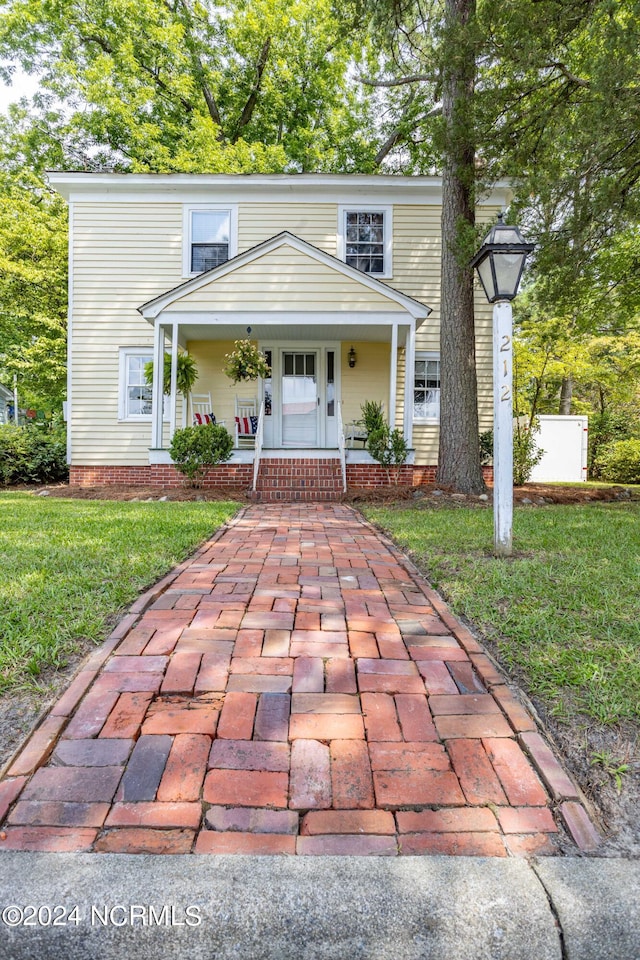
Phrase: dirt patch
(604, 762)
(22, 709)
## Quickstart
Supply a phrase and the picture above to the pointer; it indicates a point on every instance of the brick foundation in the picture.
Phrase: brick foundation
(280, 479)
(159, 475)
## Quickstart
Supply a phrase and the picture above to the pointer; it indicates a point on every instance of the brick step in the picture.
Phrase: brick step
(288, 496)
(300, 479)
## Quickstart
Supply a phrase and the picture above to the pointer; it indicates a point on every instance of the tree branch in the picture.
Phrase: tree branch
(250, 105)
(198, 68)
(578, 81)
(159, 82)
(398, 81)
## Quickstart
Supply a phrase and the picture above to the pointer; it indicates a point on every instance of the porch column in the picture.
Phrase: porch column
(174, 377)
(409, 380)
(156, 389)
(393, 376)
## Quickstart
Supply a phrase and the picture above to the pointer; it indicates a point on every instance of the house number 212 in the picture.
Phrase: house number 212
(505, 347)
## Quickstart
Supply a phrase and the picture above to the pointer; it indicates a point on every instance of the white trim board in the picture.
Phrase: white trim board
(259, 188)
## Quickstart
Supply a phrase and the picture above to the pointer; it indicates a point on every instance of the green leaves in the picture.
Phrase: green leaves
(33, 288)
(148, 81)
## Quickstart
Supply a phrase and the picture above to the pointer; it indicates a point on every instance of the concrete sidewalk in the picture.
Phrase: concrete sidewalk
(294, 688)
(317, 908)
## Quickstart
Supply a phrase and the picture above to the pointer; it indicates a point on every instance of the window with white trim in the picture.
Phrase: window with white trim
(209, 239)
(135, 392)
(364, 239)
(426, 388)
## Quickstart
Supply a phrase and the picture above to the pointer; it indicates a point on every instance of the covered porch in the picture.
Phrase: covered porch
(321, 374)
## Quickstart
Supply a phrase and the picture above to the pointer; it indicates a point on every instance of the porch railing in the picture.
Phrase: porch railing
(342, 448)
(258, 446)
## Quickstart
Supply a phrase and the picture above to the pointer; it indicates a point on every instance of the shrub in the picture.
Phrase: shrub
(32, 454)
(619, 462)
(525, 451)
(388, 447)
(606, 428)
(486, 447)
(195, 449)
(372, 416)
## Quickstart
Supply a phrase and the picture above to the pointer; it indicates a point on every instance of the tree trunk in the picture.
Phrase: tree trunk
(566, 394)
(459, 454)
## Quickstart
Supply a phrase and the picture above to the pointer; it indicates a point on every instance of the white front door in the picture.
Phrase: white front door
(300, 398)
(301, 395)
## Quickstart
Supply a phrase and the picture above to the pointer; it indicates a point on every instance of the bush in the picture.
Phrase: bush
(525, 452)
(32, 454)
(388, 447)
(619, 462)
(606, 428)
(372, 416)
(486, 447)
(195, 449)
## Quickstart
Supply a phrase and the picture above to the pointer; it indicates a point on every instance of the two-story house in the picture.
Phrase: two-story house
(335, 277)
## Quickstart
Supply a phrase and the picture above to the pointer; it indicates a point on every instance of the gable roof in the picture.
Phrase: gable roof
(152, 308)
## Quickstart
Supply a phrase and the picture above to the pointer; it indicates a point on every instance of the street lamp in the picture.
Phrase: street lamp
(500, 262)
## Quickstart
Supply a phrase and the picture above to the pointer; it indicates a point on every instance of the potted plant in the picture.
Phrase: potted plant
(187, 374)
(245, 362)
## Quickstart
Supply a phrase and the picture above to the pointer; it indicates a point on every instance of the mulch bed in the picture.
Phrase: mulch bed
(428, 495)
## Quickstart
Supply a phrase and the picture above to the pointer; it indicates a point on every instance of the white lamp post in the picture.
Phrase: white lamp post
(500, 262)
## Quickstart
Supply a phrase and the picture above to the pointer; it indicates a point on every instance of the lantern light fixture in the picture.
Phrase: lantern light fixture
(352, 358)
(500, 261)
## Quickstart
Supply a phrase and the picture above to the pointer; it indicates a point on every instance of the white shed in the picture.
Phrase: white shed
(564, 441)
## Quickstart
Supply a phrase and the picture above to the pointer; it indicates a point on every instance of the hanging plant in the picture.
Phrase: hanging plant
(245, 362)
(187, 373)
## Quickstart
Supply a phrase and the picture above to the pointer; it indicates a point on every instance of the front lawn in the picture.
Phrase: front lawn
(564, 611)
(70, 567)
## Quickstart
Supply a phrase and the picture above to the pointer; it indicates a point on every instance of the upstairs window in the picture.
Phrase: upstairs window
(364, 239)
(209, 241)
(426, 388)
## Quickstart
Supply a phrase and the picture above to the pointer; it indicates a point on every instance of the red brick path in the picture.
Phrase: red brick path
(295, 687)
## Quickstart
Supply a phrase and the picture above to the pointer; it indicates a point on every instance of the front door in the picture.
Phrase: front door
(301, 395)
(300, 399)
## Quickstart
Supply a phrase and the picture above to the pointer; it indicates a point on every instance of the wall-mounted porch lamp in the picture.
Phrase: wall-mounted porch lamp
(352, 358)
(500, 262)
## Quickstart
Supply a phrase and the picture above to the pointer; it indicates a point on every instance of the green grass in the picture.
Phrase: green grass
(69, 567)
(564, 611)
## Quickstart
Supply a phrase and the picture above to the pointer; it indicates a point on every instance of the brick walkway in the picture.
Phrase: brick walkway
(295, 687)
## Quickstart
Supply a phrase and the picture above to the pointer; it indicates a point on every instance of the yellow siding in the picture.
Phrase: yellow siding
(285, 279)
(124, 254)
(368, 380)
(209, 357)
(314, 222)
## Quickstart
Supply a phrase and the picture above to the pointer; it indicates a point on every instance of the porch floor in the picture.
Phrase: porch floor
(294, 688)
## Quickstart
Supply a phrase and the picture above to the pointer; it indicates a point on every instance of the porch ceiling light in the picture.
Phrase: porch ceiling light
(500, 261)
(352, 358)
